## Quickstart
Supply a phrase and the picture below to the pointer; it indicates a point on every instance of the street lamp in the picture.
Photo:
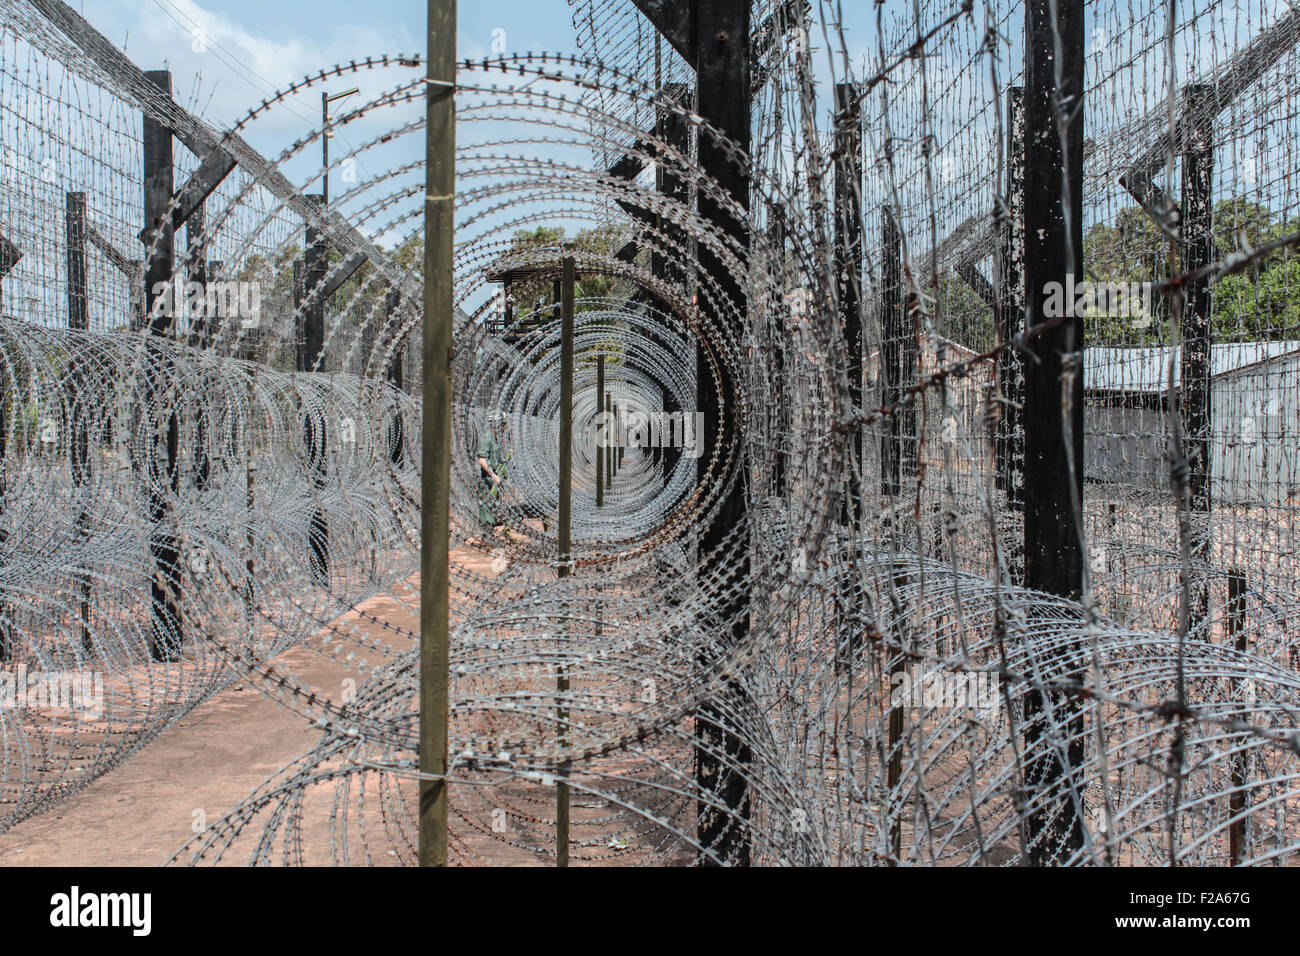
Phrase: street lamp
(325, 100)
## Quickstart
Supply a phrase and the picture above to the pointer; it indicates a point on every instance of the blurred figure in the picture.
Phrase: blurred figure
(492, 463)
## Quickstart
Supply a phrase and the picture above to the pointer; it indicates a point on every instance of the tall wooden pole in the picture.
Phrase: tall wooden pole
(162, 468)
(893, 334)
(201, 329)
(310, 355)
(1010, 446)
(1053, 471)
(435, 453)
(395, 374)
(1197, 331)
(600, 432)
(563, 532)
(79, 400)
(1237, 635)
(848, 267)
(722, 31)
(78, 318)
(848, 283)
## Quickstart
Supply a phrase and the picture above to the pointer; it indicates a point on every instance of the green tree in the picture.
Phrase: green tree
(1260, 303)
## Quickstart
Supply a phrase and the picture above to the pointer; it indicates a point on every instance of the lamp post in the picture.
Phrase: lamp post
(325, 100)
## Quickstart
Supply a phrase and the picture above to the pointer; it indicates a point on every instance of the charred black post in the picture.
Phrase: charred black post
(1197, 332)
(848, 254)
(893, 375)
(1236, 628)
(721, 30)
(311, 347)
(78, 318)
(161, 464)
(848, 268)
(1010, 442)
(893, 331)
(780, 413)
(599, 450)
(79, 402)
(1053, 554)
(395, 374)
(201, 326)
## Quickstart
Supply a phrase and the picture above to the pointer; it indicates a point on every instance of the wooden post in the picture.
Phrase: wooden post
(435, 453)
(201, 335)
(722, 32)
(395, 374)
(894, 334)
(1236, 629)
(79, 319)
(780, 414)
(848, 268)
(78, 400)
(310, 353)
(563, 531)
(848, 282)
(1053, 555)
(1196, 236)
(600, 431)
(1010, 441)
(165, 588)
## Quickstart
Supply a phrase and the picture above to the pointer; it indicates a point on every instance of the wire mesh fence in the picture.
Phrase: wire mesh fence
(884, 549)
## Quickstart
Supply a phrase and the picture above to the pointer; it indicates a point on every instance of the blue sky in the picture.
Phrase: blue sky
(255, 46)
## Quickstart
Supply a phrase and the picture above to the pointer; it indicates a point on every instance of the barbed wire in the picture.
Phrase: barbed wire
(854, 674)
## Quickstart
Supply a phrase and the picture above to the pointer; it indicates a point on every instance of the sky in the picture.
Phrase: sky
(250, 48)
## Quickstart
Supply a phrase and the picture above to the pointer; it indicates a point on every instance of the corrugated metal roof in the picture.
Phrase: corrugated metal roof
(1146, 368)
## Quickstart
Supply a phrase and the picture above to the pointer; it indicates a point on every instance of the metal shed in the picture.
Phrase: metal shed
(1255, 410)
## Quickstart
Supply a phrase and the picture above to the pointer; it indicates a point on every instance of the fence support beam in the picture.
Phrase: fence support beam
(1236, 630)
(159, 239)
(310, 348)
(780, 414)
(1053, 471)
(395, 373)
(1010, 440)
(79, 402)
(435, 452)
(848, 269)
(893, 332)
(601, 431)
(848, 254)
(201, 335)
(564, 525)
(721, 757)
(893, 376)
(78, 318)
(1197, 331)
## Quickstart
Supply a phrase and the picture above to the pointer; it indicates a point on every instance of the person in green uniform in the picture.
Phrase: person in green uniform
(492, 462)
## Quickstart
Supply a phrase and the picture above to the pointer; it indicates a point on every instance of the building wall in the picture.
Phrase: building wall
(1254, 453)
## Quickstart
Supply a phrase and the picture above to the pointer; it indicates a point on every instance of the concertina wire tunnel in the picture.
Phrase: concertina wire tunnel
(854, 673)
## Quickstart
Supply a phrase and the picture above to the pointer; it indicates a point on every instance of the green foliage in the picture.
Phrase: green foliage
(1260, 303)
(1263, 304)
(966, 317)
